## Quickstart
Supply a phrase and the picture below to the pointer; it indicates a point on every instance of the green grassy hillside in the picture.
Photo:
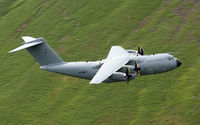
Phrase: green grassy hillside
(85, 30)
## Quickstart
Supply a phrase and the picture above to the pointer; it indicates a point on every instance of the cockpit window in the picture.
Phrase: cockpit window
(170, 58)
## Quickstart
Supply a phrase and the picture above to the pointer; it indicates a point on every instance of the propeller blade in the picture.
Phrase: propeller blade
(127, 80)
(135, 65)
(127, 75)
(137, 69)
(139, 49)
(142, 51)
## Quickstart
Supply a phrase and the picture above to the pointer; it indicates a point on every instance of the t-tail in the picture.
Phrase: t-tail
(40, 50)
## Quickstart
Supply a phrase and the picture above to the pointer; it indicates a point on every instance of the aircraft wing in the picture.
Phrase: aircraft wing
(116, 51)
(117, 57)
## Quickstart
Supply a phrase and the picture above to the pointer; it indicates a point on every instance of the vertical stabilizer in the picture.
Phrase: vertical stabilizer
(40, 50)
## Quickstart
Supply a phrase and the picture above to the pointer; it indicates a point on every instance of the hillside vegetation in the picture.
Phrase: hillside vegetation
(85, 30)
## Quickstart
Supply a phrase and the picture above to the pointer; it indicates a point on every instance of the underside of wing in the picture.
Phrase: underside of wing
(117, 57)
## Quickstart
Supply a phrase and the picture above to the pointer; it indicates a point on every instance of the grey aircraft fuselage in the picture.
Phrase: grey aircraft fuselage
(149, 64)
(138, 64)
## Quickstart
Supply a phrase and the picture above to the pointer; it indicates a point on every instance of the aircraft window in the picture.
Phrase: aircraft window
(170, 58)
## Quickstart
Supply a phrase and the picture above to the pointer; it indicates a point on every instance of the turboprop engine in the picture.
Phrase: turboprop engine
(131, 71)
(124, 69)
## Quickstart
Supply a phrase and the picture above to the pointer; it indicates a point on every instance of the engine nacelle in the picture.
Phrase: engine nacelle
(132, 51)
(130, 68)
(120, 76)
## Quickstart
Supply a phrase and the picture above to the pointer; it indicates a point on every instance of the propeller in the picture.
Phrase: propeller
(128, 75)
(137, 69)
(140, 50)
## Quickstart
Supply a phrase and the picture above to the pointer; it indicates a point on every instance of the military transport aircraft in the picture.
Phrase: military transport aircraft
(120, 64)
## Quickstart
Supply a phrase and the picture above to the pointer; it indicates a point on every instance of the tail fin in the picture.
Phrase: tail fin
(40, 50)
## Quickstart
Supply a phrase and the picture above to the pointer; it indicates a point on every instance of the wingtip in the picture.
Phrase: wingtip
(11, 51)
(94, 83)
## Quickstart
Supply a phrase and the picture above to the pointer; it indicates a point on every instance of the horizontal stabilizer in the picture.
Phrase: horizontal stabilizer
(26, 45)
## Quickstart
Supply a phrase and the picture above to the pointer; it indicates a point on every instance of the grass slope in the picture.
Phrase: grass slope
(85, 30)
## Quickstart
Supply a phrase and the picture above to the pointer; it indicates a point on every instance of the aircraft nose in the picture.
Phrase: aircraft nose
(178, 62)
